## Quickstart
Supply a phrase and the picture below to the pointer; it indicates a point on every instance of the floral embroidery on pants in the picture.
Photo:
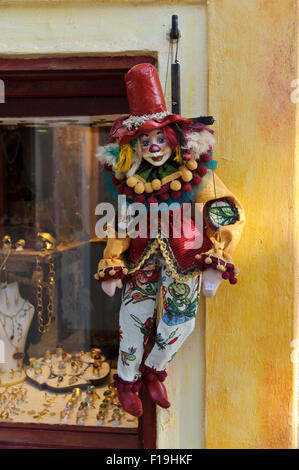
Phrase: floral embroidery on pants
(138, 312)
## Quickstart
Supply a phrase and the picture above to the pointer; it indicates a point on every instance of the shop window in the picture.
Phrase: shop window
(58, 330)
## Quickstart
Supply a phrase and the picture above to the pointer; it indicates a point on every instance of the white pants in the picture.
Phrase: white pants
(137, 316)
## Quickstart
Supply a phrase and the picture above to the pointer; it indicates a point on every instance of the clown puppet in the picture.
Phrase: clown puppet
(155, 157)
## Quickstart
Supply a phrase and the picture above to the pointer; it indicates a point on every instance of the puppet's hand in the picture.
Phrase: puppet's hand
(211, 280)
(110, 286)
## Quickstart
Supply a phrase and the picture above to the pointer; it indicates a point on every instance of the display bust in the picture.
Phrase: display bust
(156, 157)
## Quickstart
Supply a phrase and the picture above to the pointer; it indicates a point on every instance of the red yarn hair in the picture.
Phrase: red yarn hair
(171, 137)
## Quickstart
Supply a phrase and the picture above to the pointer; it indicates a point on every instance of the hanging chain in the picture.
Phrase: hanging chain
(43, 325)
(51, 292)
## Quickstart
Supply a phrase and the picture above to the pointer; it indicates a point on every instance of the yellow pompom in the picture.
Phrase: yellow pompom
(102, 274)
(148, 187)
(132, 181)
(192, 165)
(97, 277)
(112, 272)
(139, 188)
(156, 184)
(197, 256)
(175, 185)
(186, 175)
(125, 271)
(208, 260)
(221, 268)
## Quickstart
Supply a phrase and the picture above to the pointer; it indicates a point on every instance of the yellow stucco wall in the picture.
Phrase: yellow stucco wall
(252, 62)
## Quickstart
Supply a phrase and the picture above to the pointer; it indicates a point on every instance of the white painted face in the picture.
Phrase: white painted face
(155, 148)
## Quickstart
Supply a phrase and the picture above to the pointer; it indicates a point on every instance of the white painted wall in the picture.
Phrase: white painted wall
(93, 28)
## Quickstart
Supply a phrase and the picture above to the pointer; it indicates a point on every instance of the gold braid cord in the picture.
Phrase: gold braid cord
(161, 244)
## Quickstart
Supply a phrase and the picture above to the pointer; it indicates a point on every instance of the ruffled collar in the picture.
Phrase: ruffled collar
(149, 172)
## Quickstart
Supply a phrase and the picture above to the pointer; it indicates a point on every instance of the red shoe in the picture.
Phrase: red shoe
(153, 381)
(127, 395)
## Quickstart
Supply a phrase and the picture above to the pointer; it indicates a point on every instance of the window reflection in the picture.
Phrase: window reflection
(58, 331)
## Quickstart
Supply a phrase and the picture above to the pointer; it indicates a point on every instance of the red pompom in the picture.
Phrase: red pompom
(233, 280)
(186, 187)
(152, 200)
(114, 181)
(225, 275)
(202, 170)
(205, 158)
(120, 188)
(176, 194)
(128, 191)
(140, 198)
(196, 180)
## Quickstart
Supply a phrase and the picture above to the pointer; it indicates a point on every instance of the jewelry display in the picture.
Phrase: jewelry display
(39, 370)
(47, 357)
(97, 406)
(82, 412)
(10, 400)
(60, 371)
(15, 319)
(116, 417)
(46, 409)
(59, 352)
(20, 244)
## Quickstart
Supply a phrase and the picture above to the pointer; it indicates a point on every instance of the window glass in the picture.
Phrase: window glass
(58, 330)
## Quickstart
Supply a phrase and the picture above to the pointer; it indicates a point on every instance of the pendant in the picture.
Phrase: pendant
(18, 356)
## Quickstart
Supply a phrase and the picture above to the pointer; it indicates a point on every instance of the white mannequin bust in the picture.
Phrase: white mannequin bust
(15, 318)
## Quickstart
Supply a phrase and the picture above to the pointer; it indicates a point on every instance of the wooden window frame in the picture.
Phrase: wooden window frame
(36, 87)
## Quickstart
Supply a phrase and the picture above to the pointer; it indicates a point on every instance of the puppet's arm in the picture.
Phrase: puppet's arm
(112, 269)
(224, 221)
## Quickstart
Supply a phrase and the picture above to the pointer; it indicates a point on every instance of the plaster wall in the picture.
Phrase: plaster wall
(95, 28)
(250, 375)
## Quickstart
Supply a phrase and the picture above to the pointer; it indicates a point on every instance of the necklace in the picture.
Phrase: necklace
(15, 322)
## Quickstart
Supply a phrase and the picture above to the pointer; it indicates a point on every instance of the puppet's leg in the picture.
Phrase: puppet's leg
(135, 320)
(180, 301)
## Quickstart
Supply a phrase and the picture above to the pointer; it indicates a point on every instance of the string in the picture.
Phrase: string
(167, 69)
(215, 195)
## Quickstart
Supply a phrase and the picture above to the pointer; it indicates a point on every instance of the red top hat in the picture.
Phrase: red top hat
(147, 106)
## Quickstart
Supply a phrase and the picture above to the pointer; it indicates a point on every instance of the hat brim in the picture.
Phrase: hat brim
(124, 136)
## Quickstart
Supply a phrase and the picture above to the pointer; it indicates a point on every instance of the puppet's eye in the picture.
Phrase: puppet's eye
(145, 143)
(161, 140)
